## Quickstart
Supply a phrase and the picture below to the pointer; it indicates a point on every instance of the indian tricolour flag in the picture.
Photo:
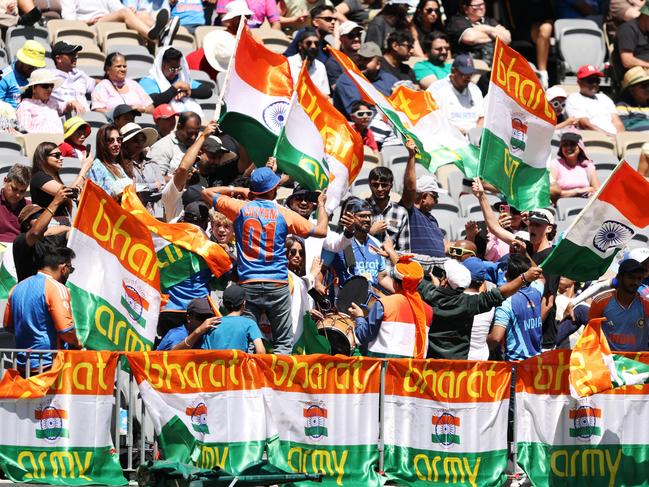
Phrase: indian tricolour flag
(446, 422)
(115, 291)
(184, 254)
(342, 144)
(257, 94)
(443, 142)
(519, 123)
(591, 441)
(322, 414)
(206, 406)
(8, 277)
(610, 219)
(56, 425)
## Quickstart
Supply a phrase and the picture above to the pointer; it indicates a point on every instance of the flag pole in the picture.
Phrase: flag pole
(226, 81)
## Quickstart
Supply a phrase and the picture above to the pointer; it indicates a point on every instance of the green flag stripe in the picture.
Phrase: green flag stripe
(575, 262)
(315, 431)
(446, 439)
(7, 282)
(585, 431)
(177, 264)
(52, 433)
(302, 167)
(258, 141)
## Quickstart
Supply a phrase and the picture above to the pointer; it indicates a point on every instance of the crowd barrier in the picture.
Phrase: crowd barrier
(356, 420)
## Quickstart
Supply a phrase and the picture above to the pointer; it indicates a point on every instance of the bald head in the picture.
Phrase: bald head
(462, 250)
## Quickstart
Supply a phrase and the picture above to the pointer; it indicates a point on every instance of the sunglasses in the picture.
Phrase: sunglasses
(407, 44)
(47, 86)
(69, 266)
(378, 184)
(56, 155)
(293, 252)
(327, 19)
(203, 316)
(310, 43)
(558, 104)
(363, 113)
(115, 139)
(430, 10)
(592, 80)
(459, 251)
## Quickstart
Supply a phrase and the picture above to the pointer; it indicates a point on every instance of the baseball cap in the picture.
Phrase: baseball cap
(233, 296)
(214, 145)
(640, 254)
(370, 50)
(164, 111)
(429, 184)
(63, 47)
(464, 64)
(120, 110)
(630, 265)
(355, 205)
(542, 216)
(588, 70)
(196, 211)
(191, 194)
(29, 213)
(347, 27)
(200, 306)
(571, 136)
(476, 268)
(555, 92)
(262, 180)
(457, 275)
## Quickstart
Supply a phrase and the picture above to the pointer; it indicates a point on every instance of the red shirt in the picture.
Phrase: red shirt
(196, 60)
(9, 224)
(368, 138)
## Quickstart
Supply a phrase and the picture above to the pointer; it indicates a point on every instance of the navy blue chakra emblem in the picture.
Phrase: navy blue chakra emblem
(611, 234)
(274, 115)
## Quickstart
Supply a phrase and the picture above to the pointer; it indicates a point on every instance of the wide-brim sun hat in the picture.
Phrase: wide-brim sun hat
(131, 129)
(237, 8)
(32, 53)
(42, 77)
(71, 125)
(219, 46)
(633, 76)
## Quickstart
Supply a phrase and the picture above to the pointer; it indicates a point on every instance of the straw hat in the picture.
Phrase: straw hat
(237, 8)
(71, 125)
(32, 53)
(42, 77)
(633, 76)
(219, 46)
(130, 130)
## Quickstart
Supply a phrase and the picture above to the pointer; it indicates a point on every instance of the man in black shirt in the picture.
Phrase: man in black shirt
(399, 48)
(632, 41)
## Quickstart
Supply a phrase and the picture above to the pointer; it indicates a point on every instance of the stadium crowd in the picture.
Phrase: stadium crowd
(388, 272)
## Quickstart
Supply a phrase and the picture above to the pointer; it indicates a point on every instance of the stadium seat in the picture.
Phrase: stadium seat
(39, 34)
(113, 40)
(603, 174)
(8, 160)
(467, 202)
(184, 40)
(95, 71)
(82, 37)
(274, 40)
(445, 202)
(603, 160)
(630, 141)
(88, 44)
(369, 157)
(579, 42)
(565, 206)
(91, 58)
(598, 140)
(30, 141)
(446, 221)
(103, 28)
(638, 240)
(8, 143)
(95, 119)
(55, 26)
(71, 163)
(69, 174)
(451, 178)
(16, 43)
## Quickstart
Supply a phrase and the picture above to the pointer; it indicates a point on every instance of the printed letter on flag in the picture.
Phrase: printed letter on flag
(116, 289)
(519, 124)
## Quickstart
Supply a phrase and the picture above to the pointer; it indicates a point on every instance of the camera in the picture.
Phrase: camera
(75, 193)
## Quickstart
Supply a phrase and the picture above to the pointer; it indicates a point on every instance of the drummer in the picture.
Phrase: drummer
(397, 325)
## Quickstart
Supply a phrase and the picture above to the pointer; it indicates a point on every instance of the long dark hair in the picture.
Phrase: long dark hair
(109, 61)
(39, 161)
(103, 152)
(290, 240)
(400, 11)
(419, 12)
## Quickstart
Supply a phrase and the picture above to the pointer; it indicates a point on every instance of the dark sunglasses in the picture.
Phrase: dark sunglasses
(380, 184)
(327, 19)
(69, 266)
(47, 86)
(310, 43)
(430, 10)
(293, 252)
(56, 155)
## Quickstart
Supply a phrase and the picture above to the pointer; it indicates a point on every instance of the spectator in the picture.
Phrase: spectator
(368, 61)
(223, 160)
(144, 171)
(591, 9)
(188, 13)
(164, 117)
(425, 21)
(294, 14)
(478, 348)
(38, 112)
(626, 311)
(307, 40)
(460, 98)
(199, 315)
(214, 57)
(361, 116)
(324, 21)
(462, 250)
(632, 41)
(557, 98)
(169, 150)
(169, 82)
(235, 11)
(222, 231)
(350, 35)
(38, 310)
(106, 172)
(259, 12)
(121, 115)
(352, 10)
(633, 107)
(94, 11)
(393, 16)
(75, 83)
(509, 218)
(28, 58)
(75, 132)
(388, 218)
(399, 48)
(438, 50)
(46, 179)
(12, 201)
(115, 89)
(262, 263)
(472, 32)
(454, 310)
(296, 255)
(572, 174)
(518, 320)
(625, 10)
(593, 110)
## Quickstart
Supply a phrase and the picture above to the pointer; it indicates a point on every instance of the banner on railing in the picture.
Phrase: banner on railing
(446, 422)
(55, 426)
(323, 415)
(597, 440)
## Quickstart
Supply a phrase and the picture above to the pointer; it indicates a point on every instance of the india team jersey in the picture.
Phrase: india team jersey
(626, 329)
(261, 228)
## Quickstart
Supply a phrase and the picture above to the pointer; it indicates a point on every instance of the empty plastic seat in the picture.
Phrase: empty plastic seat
(55, 26)
(95, 119)
(627, 141)
(580, 42)
(566, 205)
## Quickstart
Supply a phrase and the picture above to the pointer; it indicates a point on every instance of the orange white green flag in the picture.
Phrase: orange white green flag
(518, 126)
(115, 292)
(610, 219)
(57, 424)
(257, 95)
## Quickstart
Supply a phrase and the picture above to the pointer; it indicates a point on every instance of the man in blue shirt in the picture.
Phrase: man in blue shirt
(28, 58)
(323, 20)
(200, 319)
(235, 332)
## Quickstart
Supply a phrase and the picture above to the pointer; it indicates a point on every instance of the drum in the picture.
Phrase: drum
(356, 290)
(338, 329)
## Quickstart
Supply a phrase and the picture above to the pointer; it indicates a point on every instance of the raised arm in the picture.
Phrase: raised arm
(181, 174)
(323, 218)
(490, 218)
(410, 177)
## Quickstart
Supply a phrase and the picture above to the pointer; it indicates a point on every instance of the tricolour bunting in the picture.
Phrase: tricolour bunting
(446, 422)
(343, 145)
(56, 425)
(610, 219)
(589, 442)
(182, 250)
(594, 369)
(322, 412)
(206, 406)
(442, 142)
(115, 292)
(8, 278)
(519, 123)
(257, 97)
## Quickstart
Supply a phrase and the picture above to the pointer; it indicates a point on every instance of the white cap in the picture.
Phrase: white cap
(542, 215)
(523, 235)
(348, 26)
(429, 184)
(237, 8)
(555, 92)
(456, 274)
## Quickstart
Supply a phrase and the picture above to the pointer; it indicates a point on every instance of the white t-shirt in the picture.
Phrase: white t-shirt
(172, 201)
(461, 109)
(478, 348)
(597, 110)
(317, 73)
